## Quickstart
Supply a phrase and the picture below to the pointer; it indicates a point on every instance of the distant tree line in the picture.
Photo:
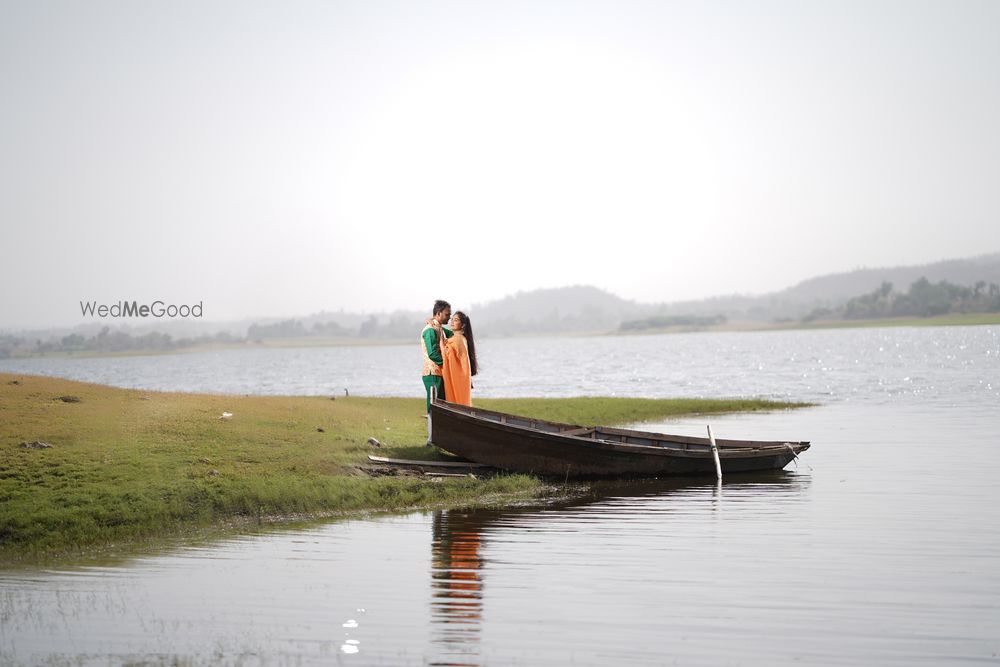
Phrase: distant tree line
(397, 326)
(924, 299)
(663, 321)
(106, 341)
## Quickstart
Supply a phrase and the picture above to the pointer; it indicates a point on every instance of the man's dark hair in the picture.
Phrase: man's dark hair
(440, 305)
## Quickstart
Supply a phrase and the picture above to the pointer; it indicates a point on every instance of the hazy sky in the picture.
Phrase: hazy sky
(283, 158)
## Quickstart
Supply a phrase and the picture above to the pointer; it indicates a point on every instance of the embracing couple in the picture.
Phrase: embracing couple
(449, 355)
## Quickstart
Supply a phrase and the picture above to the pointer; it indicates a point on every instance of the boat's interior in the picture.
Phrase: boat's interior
(613, 435)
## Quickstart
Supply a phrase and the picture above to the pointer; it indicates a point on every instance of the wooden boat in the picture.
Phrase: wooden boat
(525, 444)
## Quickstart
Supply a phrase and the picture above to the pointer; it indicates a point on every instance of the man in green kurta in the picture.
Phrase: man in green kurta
(432, 350)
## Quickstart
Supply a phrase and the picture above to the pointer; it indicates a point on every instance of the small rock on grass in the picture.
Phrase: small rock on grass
(36, 444)
(374, 442)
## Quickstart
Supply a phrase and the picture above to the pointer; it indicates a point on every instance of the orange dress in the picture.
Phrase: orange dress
(457, 371)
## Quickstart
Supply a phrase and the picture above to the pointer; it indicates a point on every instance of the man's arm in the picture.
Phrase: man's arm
(431, 345)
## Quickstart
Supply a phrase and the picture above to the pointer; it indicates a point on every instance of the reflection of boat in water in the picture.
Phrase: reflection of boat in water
(464, 548)
(525, 444)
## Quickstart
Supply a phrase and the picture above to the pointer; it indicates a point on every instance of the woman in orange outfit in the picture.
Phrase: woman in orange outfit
(459, 353)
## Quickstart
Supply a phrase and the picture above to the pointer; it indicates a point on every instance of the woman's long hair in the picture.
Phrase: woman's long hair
(467, 332)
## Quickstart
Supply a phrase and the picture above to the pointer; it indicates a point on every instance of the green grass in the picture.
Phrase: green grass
(591, 411)
(951, 320)
(130, 465)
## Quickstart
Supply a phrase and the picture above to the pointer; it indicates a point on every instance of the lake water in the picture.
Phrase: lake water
(882, 547)
(946, 363)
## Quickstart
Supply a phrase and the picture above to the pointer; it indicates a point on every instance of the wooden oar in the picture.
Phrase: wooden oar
(433, 464)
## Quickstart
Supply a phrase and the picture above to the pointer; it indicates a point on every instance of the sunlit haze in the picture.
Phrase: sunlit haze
(285, 158)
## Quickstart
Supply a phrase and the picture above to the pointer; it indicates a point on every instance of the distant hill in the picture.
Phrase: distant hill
(588, 309)
(580, 308)
(839, 287)
(574, 309)
(834, 290)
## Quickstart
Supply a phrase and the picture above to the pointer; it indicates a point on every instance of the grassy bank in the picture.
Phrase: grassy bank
(127, 465)
(951, 320)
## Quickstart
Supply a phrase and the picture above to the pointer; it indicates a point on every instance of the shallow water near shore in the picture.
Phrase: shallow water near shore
(881, 547)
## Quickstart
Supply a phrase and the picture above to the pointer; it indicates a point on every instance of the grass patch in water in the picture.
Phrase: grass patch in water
(603, 410)
(128, 465)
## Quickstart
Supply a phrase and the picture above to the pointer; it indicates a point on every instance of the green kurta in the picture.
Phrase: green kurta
(432, 362)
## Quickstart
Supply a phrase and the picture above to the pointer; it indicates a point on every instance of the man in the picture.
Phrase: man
(432, 349)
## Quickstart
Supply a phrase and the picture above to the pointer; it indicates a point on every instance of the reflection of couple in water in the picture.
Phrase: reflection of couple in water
(449, 355)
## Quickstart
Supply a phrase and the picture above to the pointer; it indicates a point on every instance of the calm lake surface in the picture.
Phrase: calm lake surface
(882, 547)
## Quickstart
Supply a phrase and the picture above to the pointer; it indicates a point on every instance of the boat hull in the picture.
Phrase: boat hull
(542, 448)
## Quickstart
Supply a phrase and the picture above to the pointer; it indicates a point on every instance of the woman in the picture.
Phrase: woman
(459, 354)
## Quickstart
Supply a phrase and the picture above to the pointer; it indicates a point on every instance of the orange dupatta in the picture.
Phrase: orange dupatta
(457, 371)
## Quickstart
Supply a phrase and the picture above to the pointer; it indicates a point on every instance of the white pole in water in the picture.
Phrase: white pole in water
(715, 453)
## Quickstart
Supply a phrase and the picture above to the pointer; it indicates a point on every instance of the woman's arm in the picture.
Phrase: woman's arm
(442, 339)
